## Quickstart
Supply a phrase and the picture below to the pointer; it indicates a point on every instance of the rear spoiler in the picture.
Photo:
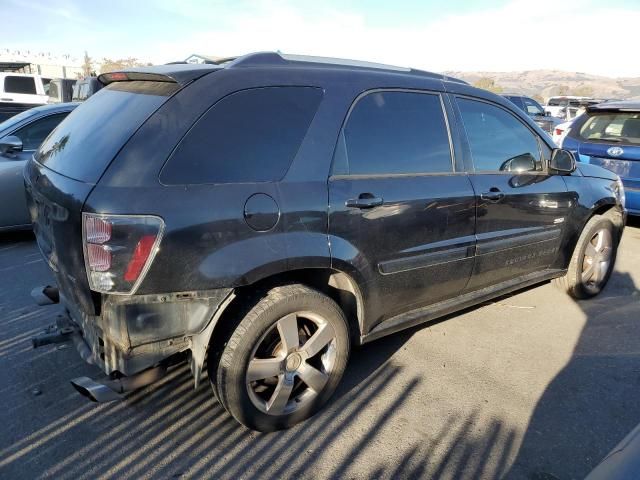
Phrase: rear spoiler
(182, 74)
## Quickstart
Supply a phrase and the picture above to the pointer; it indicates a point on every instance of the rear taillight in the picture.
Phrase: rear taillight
(559, 131)
(119, 249)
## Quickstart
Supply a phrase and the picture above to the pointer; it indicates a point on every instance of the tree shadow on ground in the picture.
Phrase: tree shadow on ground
(595, 399)
(170, 430)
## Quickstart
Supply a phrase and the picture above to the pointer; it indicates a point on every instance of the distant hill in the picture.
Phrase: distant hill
(547, 83)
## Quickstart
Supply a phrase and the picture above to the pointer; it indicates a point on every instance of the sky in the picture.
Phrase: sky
(590, 36)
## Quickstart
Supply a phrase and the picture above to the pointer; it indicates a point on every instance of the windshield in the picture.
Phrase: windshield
(84, 144)
(556, 102)
(616, 127)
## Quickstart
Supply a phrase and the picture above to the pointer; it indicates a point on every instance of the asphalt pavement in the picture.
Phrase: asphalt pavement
(530, 386)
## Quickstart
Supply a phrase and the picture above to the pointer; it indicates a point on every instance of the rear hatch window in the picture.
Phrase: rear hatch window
(612, 127)
(84, 144)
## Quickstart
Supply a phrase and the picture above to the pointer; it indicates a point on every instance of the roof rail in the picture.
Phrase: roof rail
(261, 59)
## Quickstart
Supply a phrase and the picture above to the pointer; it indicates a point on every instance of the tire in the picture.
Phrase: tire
(589, 252)
(283, 360)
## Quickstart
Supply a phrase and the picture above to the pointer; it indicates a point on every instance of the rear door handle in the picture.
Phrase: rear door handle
(364, 200)
(493, 195)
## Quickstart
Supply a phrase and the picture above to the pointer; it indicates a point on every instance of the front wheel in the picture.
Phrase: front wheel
(284, 359)
(592, 261)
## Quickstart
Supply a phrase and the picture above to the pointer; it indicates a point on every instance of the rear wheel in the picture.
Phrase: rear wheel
(284, 359)
(592, 260)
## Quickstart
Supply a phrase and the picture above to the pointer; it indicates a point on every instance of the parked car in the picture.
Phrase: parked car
(84, 88)
(568, 107)
(608, 135)
(623, 462)
(20, 136)
(20, 92)
(269, 213)
(60, 90)
(560, 131)
(535, 111)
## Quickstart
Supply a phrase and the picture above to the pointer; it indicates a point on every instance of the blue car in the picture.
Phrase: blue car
(608, 135)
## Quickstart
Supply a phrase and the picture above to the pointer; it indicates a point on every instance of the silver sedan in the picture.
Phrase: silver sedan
(20, 137)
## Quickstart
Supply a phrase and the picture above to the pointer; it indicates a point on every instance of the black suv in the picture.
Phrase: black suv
(268, 213)
(535, 111)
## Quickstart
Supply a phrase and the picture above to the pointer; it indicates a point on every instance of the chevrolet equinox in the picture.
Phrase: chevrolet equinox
(258, 217)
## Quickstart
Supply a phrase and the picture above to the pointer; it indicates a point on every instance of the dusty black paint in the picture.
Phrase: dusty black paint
(433, 238)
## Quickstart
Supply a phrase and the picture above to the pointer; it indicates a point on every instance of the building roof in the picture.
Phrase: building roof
(13, 66)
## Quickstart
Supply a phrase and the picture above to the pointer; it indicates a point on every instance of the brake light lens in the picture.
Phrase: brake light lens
(98, 257)
(139, 258)
(559, 131)
(119, 249)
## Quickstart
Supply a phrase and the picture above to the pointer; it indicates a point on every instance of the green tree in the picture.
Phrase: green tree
(488, 83)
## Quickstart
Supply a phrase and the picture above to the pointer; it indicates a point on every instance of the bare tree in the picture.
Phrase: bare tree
(109, 65)
(87, 65)
(583, 91)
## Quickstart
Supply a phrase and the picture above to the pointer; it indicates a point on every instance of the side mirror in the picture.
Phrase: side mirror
(10, 144)
(562, 161)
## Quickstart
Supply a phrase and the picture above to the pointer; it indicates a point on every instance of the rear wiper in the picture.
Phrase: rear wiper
(612, 139)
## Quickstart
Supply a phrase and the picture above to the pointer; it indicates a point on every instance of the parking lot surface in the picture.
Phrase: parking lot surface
(530, 386)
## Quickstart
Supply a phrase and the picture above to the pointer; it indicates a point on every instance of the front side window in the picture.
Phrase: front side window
(497, 139)
(248, 136)
(33, 135)
(15, 84)
(395, 132)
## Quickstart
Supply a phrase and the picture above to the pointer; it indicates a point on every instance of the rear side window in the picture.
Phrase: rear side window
(532, 107)
(248, 136)
(14, 84)
(496, 138)
(33, 134)
(52, 91)
(516, 100)
(394, 133)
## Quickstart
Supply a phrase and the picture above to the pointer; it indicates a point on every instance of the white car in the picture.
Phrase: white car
(21, 91)
(560, 130)
(23, 88)
(567, 106)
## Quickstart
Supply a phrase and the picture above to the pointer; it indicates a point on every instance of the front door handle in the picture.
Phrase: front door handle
(493, 195)
(364, 200)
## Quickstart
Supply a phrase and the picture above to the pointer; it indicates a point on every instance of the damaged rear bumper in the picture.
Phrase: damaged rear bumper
(135, 333)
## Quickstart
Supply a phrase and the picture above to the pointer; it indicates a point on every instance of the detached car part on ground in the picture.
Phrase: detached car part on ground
(183, 210)
(20, 137)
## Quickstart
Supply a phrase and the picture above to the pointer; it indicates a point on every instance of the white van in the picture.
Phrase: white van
(23, 88)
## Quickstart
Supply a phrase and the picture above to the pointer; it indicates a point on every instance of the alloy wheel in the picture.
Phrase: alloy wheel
(597, 260)
(291, 363)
